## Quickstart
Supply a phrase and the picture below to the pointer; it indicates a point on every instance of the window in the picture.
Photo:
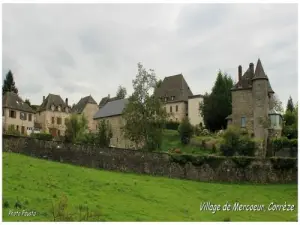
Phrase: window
(58, 132)
(176, 108)
(23, 116)
(243, 121)
(17, 127)
(30, 117)
(172, 97)
(170, 108)
(166, 99)
(52, 120)
(58, 120)
(12, 114)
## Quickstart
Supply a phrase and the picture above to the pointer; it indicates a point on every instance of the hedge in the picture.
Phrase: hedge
(284, 142)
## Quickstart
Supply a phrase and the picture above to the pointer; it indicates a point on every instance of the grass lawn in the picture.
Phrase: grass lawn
(36, 183)
(171, 140)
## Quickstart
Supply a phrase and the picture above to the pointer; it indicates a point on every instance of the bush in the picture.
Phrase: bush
(42, 136)
(204, 132)
(236, 141)
(197, 130)
(185, 130)
(171, 125)
(284, 142)
(104, 134)
(12, 131)
(87, 138)
(290, 131)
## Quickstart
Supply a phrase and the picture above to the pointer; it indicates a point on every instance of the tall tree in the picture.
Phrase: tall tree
(290, 105)
(121, 93)
(144, 115)
(9, 84)
(217, 105)
(28, 102)
(76, 125)
(277, 103)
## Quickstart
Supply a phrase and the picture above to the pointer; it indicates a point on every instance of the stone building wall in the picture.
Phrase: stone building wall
(242, 106)
(89, 111)
(217, 169)
(180, 113)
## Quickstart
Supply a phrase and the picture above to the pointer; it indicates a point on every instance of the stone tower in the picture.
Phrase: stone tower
(260, 89)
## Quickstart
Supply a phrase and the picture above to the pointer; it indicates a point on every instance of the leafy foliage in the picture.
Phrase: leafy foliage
(104, 134)
(121, 93)
(42, 136)
(236, 141)
(277, 103)
(144, 114)
(290, 105)
(172, 125)
(77, 125)
(284, 142)
(12, 131)
(9, 84)
(185, 130)
(217, 105)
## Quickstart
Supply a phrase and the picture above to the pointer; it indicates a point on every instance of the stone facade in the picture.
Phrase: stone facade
(21, 125)
(89, 112)
(118, 140)
(53, 120)
(177, 110)
(193, 110)
(212, 169)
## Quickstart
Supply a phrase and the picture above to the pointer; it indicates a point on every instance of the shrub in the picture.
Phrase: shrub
(104, 134)
(294, 142)
(246, 146)
(171, 125)
(12, 131)
(185, 130)
(290, 131)
(42, 136)
(205, 132)
(197, 130)
(280, 143)
(227, 150)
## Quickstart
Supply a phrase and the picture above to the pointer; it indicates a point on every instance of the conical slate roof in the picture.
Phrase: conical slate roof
(259, 71)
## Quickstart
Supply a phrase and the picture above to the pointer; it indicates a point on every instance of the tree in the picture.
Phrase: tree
(121, 93)
(290, 105)
(144, 115)
(9, 84)
(217, 105)
(104, 134)
(277, 103)
(77, 125)
(185, 130)
(28, 102)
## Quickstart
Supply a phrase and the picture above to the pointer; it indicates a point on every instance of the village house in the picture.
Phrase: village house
(52, 114)
(17, 114)
(252, 104)
(112, 112)
(88, 107)
(179, 100)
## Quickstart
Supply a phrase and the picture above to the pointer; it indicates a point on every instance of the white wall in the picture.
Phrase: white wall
(194, 114)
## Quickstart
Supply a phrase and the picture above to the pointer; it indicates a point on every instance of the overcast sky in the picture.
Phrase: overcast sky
(77, 50)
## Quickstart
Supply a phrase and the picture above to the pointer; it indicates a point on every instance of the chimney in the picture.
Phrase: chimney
(43, 98)
(67, 101)
(251, 67)
(240, 72)
(108, 96)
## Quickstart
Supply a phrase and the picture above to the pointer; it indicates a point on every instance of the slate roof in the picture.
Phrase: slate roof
(175, 86)
(79, 107)
(12, 100)
(249, 76)
(52, 99)
(106, 100)
(112, 108)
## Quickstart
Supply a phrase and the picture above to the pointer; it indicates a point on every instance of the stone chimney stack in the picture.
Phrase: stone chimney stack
(43, 98)
(251, 67)
(240, 72)
(108, 96)
(67, 101)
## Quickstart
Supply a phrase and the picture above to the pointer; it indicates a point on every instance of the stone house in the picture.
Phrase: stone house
(17, 114)
(179, 100)
(88, 107)
(252, 103)
(52, 114)
(112, 112)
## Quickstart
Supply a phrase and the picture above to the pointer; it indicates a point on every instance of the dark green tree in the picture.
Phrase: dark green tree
(290, 105)
(9, 84)
(217, 105)
(185, 130)
(104, 134)
(121, 93)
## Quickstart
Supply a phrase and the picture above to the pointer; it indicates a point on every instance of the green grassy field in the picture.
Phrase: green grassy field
(37, 185)
(171, 140)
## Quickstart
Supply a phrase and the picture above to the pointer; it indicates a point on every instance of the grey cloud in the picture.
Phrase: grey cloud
(96, 47)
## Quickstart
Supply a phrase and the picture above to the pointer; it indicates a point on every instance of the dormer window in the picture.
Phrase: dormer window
(67, 110)
(59, 108)
(172, 98)
(52, 107)
(166, 99)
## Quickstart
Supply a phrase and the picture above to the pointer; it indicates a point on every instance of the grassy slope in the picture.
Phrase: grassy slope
(128, 197)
